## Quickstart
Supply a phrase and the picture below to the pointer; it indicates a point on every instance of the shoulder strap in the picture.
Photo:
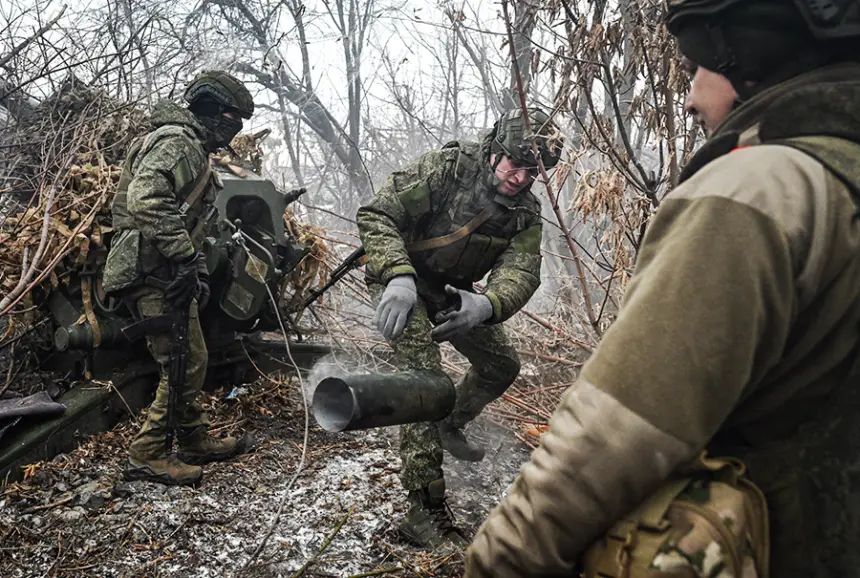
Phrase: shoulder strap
(451, 238)
(199, 187)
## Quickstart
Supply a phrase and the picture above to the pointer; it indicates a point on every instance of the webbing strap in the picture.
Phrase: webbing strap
(199, 187)
(451, 238)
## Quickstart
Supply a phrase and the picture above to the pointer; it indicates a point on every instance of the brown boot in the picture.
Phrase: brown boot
(201, 448)
(167, 470)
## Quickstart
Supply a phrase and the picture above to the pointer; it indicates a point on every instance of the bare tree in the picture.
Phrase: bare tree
(258, 23)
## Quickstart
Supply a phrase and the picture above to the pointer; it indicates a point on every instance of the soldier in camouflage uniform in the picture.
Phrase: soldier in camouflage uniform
(431, 231)
(740, 329)
(158, 214)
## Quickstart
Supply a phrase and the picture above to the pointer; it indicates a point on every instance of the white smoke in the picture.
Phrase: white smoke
(332, 365)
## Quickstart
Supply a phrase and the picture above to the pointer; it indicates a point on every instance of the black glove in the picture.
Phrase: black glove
(203, 291)
(182, 288)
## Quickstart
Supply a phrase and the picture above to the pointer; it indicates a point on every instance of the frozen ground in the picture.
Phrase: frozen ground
(76, 517)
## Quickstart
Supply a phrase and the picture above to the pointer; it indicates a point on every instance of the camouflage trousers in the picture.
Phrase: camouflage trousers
(150, 440)
(494, 367)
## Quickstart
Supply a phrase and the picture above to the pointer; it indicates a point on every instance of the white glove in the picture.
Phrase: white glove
(396, 306)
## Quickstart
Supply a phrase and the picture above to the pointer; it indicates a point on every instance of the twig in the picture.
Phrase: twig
(552, 358)
(43, 241)
(381, 572)
(523, 405)
(325, 544)
(48, 506)
(39, 33)
(553, 199)
(9, 373)
(526, 441)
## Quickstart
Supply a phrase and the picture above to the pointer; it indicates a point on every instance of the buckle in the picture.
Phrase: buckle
(615, 558)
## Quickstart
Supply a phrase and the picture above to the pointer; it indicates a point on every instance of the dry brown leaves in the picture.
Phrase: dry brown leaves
(94, 131)
(313, 271)
(248, 153)
(77, 226)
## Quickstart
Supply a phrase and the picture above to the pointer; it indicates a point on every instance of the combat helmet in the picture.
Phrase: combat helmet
(759, 43)
(223, 88)
(510, 138)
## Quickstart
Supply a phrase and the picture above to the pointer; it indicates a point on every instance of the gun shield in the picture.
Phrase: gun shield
(382, 399)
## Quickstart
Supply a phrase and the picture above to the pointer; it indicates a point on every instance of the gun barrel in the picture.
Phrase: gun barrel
(293, 196)
(351, 262)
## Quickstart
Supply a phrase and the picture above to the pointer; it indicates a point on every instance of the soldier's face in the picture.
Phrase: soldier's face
(513, 177)
(711, 97)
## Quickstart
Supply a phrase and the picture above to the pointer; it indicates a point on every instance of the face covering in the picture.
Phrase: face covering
(222, 128)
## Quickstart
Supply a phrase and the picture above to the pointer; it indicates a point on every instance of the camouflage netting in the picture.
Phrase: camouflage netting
(57, 181)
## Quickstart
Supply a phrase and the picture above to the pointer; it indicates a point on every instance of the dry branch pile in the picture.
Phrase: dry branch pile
(63, 170)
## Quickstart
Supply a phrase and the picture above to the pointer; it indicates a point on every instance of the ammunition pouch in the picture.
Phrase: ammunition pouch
(708, 518)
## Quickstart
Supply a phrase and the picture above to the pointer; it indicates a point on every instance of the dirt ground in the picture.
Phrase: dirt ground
(75, 516)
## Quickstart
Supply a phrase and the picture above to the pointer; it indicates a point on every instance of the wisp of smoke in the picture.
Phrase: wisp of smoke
(332, 365)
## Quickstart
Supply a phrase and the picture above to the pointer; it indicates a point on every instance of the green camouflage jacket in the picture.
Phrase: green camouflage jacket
(436, 195)
(159, 172)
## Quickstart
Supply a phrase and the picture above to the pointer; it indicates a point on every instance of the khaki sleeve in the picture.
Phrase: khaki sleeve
(385, 223)
(706, 314)
(152, 196)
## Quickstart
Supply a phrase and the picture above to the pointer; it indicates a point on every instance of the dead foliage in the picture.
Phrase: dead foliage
(67, 161)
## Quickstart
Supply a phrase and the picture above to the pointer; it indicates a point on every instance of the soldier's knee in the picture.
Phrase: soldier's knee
(198, 355)
(501, 371)
(509, 367)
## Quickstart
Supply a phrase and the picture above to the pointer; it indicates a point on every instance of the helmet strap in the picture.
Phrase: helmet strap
(492, 179)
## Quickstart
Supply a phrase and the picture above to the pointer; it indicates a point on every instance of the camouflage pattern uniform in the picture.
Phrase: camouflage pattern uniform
(160, 170)
(149, 235)
(434, 196)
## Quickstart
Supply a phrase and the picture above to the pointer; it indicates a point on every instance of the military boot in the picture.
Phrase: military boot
(168, 470)
(454, 441)
(428, 522)
(198, 447)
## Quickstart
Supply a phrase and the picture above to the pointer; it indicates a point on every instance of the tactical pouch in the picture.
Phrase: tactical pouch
(709, 521)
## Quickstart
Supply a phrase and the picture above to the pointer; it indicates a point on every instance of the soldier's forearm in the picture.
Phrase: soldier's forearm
(383, 244)
(509, 290)
(597, 461)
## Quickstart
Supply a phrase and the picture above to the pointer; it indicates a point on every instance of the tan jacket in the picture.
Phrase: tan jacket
(742, 314)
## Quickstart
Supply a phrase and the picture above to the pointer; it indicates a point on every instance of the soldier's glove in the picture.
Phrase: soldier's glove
(203, 291)
(182, 288)
(396, 305)
(473, 310)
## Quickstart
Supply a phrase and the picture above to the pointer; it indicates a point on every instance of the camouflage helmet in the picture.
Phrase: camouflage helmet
(224, 88)
(510, 138)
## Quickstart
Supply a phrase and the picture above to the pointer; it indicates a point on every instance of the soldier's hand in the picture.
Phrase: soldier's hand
(182, 288)
(396, 306)
(474, 309)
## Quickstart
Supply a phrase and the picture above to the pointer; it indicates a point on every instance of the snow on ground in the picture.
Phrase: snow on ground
(76, 517)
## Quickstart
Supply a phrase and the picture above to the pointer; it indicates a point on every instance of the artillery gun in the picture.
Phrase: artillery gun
(248, 257)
